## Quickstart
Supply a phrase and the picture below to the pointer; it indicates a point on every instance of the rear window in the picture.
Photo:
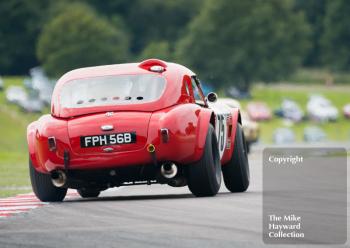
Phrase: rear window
(112, 90)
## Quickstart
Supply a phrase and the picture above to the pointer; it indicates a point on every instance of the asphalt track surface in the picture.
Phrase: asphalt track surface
(148, 216)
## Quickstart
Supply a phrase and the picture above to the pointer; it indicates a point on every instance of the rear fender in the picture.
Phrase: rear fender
(38, 133)
(187, 125)
(31, 132)
(233, 121)
(205, 118)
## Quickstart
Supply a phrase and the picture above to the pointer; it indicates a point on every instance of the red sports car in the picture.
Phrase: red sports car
(130, 124)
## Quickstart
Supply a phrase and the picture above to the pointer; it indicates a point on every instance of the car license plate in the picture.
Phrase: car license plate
(108, 139)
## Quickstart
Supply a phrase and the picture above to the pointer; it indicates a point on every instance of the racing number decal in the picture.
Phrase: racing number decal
(221, 133)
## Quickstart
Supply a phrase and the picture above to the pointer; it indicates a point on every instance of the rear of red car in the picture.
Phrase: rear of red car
(106, 129)
(124, 125)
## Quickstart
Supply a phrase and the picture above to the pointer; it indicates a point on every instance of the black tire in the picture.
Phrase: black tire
(204, 176)
(43, 187)
(236, 171)
(88, 193)
(248, 144)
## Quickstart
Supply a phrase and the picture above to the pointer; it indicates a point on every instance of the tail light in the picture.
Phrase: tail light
(164, 132)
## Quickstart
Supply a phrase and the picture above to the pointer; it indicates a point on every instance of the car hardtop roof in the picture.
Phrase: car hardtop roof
(123, 69)
(172, 72)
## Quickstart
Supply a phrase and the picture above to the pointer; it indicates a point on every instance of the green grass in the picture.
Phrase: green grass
(13, 168)
(13, 145)
(8, 193)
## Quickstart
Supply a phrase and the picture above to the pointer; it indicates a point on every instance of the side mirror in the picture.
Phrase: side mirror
(212, 97)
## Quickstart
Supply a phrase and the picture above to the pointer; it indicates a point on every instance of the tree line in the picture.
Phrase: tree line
(226, 42)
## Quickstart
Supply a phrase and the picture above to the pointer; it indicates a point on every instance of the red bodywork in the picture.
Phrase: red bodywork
(175, 110)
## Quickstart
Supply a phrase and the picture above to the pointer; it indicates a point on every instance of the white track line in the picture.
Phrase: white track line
(17, 208)
(13, 211)
(25, 202)
(21, 204)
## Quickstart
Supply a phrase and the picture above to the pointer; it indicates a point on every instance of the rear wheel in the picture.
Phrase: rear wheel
(87, 193)
(43, 187)
(248, 144)
(236, 171)
(204, 177)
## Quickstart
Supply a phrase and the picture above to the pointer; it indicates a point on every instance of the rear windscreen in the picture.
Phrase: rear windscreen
(112, 90)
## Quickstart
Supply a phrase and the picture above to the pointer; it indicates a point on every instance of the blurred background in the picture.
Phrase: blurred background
(286, 63)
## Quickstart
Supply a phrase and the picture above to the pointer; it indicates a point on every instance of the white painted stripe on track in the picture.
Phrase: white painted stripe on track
(23, 199)
(27, 202)
(23, 203)
(19, 200)
(17, 207)
(12, 211)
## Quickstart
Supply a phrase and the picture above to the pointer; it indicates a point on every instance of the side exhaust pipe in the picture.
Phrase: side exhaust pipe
(59, 178)
(168, 170)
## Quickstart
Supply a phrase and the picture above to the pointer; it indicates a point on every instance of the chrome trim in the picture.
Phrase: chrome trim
(58, 178)
(168, 170)
(108, 149)
(212, 97)
(164, 131)
(157, 68)
(107, 127)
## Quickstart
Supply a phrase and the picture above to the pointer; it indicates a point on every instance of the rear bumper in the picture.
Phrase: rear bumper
(108, 160)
